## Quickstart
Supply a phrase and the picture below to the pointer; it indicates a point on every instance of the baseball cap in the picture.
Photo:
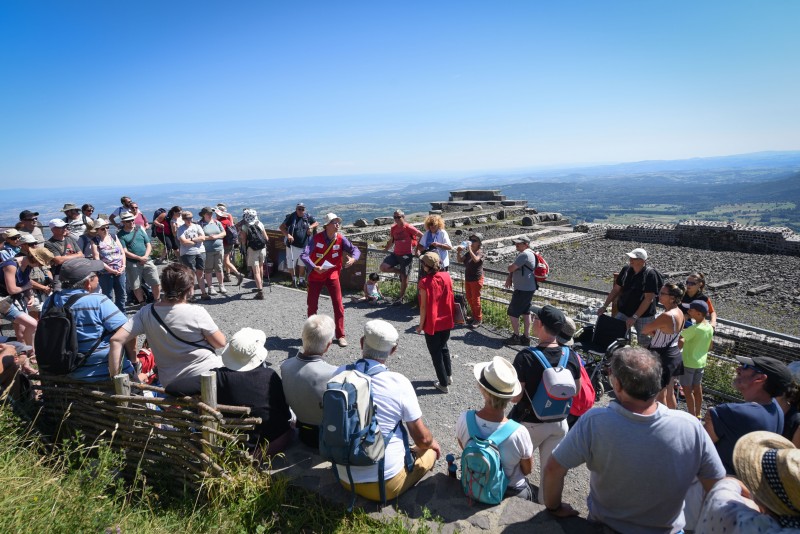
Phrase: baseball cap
(699, 305)
(550, 316)
(27, 238)
(637, 254)
(567, 331)
(56, 223)
(76, 270)
(522, 239)
(27, 214)
(10, 233)
(476, 237)
(300, 205)
(20, 347)
(777, 372)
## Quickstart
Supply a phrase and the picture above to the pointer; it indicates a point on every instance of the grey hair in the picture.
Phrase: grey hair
(318, 332)
(79, 284)
(638, 371)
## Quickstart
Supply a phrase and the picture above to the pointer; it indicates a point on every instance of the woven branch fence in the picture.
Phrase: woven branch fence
(178, 442)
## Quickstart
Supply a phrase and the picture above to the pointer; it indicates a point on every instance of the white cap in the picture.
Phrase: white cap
(56, 223)
(637, 254)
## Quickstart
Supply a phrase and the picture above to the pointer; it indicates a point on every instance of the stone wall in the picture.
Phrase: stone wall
(709, 235)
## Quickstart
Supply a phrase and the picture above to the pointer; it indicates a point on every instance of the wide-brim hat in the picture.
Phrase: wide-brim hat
(10, 233)
(100, 222)
(329, 218)
(522, 239)
(769, 465)
(67, 207)
(431, 259)
(42, 255)
(127, 216)
(567, 331)
(498, 377)
(246, 350)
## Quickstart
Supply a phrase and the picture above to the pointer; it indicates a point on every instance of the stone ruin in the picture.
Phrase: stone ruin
(475, 200)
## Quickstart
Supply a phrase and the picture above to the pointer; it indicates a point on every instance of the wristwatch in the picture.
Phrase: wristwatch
(635, 317)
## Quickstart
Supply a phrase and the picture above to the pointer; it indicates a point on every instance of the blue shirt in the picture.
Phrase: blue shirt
(734, 420)
(8, 252)
(93, 314)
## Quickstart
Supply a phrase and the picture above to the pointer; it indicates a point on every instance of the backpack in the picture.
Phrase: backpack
(349, 433)
(56, 340)
(156, 214)
(541, 270)
(584, 400)
(660, 279)
(231, 235)
(553, 397)
(482, 475)
(255, 238)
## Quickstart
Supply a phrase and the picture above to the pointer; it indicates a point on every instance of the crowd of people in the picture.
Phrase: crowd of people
(653, 468)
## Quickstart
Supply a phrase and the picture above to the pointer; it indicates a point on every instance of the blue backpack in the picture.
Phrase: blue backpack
(482, 475)
(349, 433)
(553, 397)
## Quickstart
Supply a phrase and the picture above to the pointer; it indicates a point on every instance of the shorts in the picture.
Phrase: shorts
(213, 261)
(520, 303)
(256, 257)
(195, 262)
(691, 377)
(135, 272)
(15, 310)
(293, 256)
(401, 262)
(671, 363)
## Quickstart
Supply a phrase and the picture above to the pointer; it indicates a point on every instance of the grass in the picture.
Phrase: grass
(77, 489)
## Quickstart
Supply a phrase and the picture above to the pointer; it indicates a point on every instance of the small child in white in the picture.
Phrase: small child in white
(372, 292)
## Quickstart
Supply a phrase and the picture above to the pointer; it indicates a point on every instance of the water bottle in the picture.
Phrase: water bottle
(465, 245)
(451, 466)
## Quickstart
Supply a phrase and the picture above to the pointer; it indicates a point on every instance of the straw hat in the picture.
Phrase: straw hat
(498, 377)
(42, 255)
(769, 465)
(100, 222)
(246, 350)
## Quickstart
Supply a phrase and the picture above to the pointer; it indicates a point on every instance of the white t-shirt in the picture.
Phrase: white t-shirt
(439, 236)
(395, 399)
(190, 232)
(515, 448)
(174, 358)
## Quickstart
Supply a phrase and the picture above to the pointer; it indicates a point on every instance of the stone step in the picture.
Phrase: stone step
(759, 289)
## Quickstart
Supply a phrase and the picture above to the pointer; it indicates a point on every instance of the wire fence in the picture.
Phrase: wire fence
(731, 338)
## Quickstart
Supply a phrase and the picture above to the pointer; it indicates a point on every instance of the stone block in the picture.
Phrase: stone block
(361, 223)
(527, 221)
(381, 221)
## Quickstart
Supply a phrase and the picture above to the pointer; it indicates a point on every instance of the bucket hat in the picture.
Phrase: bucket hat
(246, 350)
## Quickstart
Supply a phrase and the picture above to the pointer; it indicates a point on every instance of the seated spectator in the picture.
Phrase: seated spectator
(498, 384)
(644, 459)
(759, 380)
(395, 402)
(305, 377)
(183, 336)
(63, 246)
(14, 368)
(96, 318)
(246, 381)
(29, 224)
(767, 500)
(146, 365)
(790, 404)
(10, 244)
(87, 210)
(16, 284)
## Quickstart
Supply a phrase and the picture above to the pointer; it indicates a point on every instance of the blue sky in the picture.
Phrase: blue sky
(103, 92)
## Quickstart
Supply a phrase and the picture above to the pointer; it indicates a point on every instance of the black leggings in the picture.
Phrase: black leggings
(440, 354)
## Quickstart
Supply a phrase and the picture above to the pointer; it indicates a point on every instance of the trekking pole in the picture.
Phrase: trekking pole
(267, 264)
(290, 257)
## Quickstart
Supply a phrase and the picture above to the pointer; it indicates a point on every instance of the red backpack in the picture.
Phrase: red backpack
(585, 397)
(541, 270)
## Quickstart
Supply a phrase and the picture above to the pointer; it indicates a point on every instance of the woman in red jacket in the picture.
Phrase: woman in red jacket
(436, 316)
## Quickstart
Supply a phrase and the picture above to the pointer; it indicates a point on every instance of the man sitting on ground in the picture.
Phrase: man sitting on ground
(642, 457)
(395, 401)
(305, 377)
(759, 380)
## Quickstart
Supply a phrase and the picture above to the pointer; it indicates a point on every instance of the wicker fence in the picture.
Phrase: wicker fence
(175, 441)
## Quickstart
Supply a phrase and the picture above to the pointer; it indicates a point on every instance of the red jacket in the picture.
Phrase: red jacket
(320, 253)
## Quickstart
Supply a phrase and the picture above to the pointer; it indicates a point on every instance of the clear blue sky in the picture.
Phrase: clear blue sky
(101, 92)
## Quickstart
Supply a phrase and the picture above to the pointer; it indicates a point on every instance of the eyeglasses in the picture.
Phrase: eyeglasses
(746, 366)
(398, 217)
(690, 283)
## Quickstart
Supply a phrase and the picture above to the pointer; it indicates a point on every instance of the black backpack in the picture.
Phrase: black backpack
(255, 238)
(56, 340)
(156, 214)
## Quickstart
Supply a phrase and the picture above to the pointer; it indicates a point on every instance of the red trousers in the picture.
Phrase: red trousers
(473, 294)
(335, 292)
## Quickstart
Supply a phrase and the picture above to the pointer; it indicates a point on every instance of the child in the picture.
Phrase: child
(372, 293)
(696, 342)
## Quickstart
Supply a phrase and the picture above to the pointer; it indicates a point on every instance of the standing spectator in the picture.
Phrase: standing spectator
(548, 321)
(138, 217)
(436, 239)
(11, 246)
(695, 284)
(139, 266)
(323, 256)
(183, 336)
(254, 239)
(193, 253)
(63, 246)
(636, 287)
(305, 377)
(214, 233)
(164, 231)
(229, 243)
(472, 258)
(15, 283)
(296, 228)
(96, 319)
(644, 459)
(74, 219)
(436, 316)
(520, 276)
(85, 241)
(664, 334)
(498, 384)
(87, 211)
(696, 341)
(403, 237)
(108, 249)
(29, 224)
(760, 380)
(767, 500)
(126, 206)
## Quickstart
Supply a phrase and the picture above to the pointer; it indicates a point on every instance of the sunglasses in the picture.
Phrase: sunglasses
(33, 219)
(398, 217)
(104, 228)
(688, 283)
(13, 238)
(88, 210)
(301, 209)
(747, 366)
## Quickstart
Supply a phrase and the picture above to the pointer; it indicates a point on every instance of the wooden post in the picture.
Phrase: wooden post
(122, 386)
(208, 394)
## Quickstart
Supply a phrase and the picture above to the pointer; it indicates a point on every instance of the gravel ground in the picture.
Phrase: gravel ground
(593, 263)
(281, 316)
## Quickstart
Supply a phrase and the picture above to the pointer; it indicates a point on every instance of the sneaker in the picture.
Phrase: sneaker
(513, 340)
(211, 290)
(205, 296)
(239, 278)
(475, 325)
(449, 380)
(260, 294)
(440, 387)
(397, 302)
(525, 341)
(226, 278)
(342, 341)
(223, 290)
(302, 284)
